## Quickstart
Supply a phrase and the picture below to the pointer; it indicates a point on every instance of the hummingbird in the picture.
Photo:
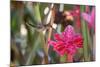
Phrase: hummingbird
(40, 26)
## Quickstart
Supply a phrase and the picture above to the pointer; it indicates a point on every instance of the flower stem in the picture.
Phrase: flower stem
(48, 37)
(69, 58)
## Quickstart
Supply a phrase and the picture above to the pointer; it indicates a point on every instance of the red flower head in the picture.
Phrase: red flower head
(67, 42)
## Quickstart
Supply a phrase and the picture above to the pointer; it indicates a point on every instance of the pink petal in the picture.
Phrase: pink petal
(90, 18)
(71, 49)
(53, 43)
(93, 17)
(93, 13)
(78, 41)
(57, 37)
(69, 32)
(60, 49)
(86, 17)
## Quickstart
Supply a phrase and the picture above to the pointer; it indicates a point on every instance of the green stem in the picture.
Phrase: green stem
(85, 36)
(37, 18)
(63, 58)
(32, 53)
(36, 11)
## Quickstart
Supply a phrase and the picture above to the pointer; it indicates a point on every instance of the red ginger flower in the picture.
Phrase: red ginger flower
(67, 42)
